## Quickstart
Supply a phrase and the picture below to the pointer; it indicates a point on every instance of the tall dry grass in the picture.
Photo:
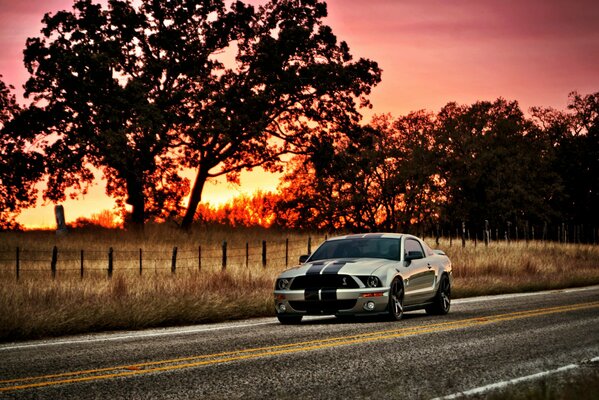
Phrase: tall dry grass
(38, 306)
(520, 266)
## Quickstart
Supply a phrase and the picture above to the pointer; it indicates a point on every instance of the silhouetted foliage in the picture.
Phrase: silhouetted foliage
(20, 169)
(383, 179)
(255, 210)
(291, 84)
(574, 136)
(495, 162)
(485, 161)
(140, 89)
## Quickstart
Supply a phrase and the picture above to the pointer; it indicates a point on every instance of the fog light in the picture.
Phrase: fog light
(369, 306)
(282, 308)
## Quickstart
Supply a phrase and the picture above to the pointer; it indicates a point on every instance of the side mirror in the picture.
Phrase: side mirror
(303, 258)
(414, 255)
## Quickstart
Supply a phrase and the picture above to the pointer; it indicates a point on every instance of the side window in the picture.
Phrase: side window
(412, 245)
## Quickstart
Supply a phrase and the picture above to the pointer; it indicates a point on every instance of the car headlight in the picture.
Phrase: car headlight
(373, 281)
(283, 284)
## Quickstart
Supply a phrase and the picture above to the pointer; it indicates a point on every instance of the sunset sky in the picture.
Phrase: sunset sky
(431, 52)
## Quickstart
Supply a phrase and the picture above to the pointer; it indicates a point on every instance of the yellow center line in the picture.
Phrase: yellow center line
(245, 354)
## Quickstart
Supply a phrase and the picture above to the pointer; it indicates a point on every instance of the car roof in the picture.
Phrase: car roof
(370, 236)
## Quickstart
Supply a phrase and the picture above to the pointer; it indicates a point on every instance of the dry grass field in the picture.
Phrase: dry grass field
(37, 305)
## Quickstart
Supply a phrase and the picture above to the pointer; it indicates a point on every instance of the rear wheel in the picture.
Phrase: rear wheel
(396, 295)
(442, 300)
(289, 319)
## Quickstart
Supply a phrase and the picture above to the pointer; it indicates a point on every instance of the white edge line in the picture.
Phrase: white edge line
(517, 295)
(504, 384)
(140, 335)
(182, 331)
(131, 336)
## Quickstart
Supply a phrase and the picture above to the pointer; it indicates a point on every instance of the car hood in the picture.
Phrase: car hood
(344, 266)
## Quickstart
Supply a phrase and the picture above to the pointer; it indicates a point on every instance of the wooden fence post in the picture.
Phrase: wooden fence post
(486, 236)
(287, 252)
(140, 261)
(81, 264)
(18, 261)
(309, 245)
(247, 254)
(54, 261)
(174, 261)
(110, 262)
(463, 234)
(199, 258)
(224, 255)
(264, 253)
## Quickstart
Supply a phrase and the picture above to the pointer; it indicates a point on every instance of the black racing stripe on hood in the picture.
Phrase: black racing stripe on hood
(315, 269)
(333, 269)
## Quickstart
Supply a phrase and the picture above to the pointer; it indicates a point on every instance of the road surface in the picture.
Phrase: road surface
(481, 343)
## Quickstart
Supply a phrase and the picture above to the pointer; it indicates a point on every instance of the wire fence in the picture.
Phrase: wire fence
(55, 262)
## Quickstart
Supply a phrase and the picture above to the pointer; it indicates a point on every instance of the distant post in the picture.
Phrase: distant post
(61, 226)
(224, 264)
(174, 261)
(264, 253)
(486, 236)
(54, 261)
(110, 262)
(286, 252)
(463, 234)
(18, 263)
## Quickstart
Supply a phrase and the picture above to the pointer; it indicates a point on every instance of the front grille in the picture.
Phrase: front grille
(323, 307)
(323, 281)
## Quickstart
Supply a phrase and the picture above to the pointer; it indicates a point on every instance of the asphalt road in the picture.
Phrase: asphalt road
(481, 342)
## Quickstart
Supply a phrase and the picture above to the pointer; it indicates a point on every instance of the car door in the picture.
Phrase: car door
(420, 276)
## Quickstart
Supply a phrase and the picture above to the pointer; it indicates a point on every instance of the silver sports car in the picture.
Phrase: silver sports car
(374, 273)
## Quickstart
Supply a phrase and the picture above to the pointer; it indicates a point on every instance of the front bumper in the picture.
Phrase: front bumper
(360, 301)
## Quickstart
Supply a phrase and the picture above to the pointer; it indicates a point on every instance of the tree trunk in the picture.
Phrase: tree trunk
(137, 202)
(194, 200)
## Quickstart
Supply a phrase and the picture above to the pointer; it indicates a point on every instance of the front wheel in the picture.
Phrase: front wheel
(442, 300)
(396, 295)
(289, 319)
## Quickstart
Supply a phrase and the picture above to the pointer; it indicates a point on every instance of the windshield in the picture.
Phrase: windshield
(386, 248)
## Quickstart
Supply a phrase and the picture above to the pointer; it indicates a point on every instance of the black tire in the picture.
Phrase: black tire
(396, 296)
(289, 319)
(442, 300)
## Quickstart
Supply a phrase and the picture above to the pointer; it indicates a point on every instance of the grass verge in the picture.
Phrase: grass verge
(37, 306)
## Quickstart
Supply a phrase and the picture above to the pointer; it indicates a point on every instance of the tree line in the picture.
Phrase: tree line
(141, 90)
(487, 161)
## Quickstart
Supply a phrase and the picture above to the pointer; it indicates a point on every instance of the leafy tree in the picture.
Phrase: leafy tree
(384, 180)
(574, 136)
(581, 175)
(291, 83)
(20, 169)
(140, 89)
(495, 163)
